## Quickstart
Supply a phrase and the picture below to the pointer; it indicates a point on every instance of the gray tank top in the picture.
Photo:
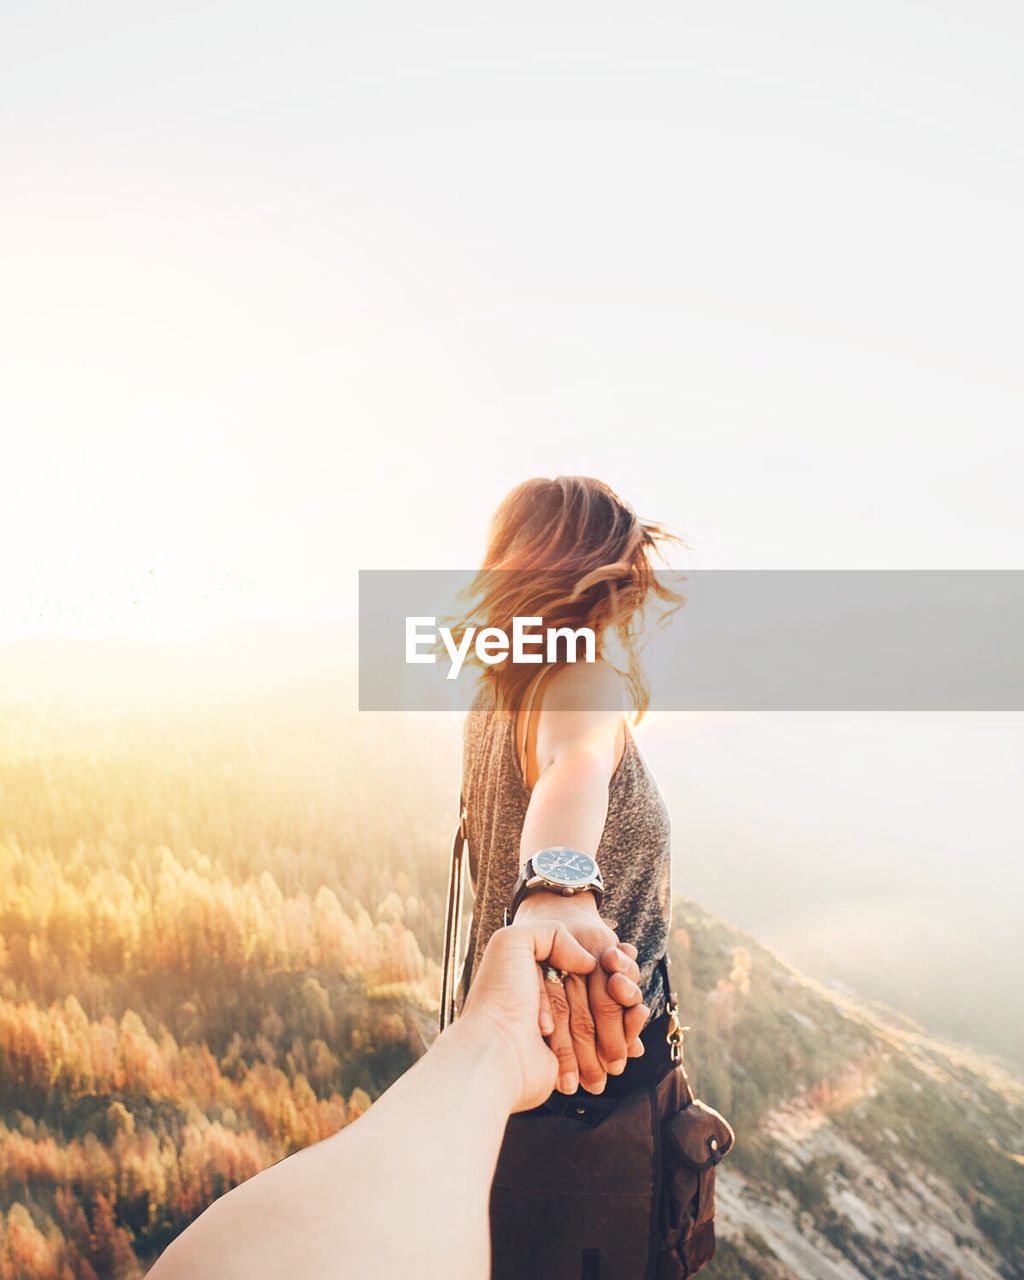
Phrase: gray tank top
(634, 854)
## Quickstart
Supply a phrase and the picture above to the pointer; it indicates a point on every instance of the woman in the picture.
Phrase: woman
(549, 763)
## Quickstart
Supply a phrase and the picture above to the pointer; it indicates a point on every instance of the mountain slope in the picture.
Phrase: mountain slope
(866, 1147)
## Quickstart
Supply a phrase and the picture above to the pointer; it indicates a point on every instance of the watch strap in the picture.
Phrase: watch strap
(523, 888)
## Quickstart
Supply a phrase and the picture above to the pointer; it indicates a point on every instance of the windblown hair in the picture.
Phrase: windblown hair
(572, 552)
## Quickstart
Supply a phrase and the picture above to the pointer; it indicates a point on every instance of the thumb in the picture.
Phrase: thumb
(564, 952)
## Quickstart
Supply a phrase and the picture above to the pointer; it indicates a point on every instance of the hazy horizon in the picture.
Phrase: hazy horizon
(879, 850)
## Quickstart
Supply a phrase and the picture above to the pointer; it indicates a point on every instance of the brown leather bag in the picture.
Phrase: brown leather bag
(614, 1186)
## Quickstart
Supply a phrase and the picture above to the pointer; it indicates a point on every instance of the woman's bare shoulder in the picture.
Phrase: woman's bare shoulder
(585, 686)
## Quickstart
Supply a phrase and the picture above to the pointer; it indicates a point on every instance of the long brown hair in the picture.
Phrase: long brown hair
(571, 551)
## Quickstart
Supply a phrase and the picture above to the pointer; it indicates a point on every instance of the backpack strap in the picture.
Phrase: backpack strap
(453, 921)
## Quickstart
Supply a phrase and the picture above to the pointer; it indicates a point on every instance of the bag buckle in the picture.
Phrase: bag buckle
(674, 1033)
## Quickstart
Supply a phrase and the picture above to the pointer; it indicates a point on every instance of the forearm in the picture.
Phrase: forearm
(380, 1198)
(568, 806)
(439, 1127)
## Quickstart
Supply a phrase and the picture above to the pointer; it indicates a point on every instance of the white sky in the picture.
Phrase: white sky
(292, 290)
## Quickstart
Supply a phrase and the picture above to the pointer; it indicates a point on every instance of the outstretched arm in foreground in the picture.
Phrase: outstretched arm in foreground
(404, 1190)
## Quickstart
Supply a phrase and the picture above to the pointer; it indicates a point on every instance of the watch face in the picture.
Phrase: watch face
(565, 866)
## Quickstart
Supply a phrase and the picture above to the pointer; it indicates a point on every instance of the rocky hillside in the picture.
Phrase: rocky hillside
(866, 1148)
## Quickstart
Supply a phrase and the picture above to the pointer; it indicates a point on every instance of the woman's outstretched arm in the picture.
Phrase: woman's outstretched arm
(597, 1020)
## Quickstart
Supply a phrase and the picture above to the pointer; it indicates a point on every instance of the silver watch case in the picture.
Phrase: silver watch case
(531, 879)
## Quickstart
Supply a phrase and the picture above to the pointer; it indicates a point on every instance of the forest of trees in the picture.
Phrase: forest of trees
(219, 941)
(184, 995)
(164, 1035)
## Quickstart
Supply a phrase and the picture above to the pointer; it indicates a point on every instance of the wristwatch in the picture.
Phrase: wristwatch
(559, 870)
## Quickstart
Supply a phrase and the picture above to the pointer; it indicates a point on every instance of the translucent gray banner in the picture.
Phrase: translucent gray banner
(744, 640)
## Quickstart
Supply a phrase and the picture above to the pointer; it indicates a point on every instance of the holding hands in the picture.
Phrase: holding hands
(504, 1005)
(592, 1021)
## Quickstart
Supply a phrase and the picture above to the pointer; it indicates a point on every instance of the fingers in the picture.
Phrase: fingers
(622, 985)
(545, 1018)
(633, 1022)
(623, 991)
(615, 960)
(547, 940)
(607, 1018)
(624, 975)
(560, 1040)
(584, 1034)
(564, 952)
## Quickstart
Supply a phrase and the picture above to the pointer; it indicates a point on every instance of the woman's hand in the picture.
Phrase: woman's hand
(502, 1005)
(596, 1020)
